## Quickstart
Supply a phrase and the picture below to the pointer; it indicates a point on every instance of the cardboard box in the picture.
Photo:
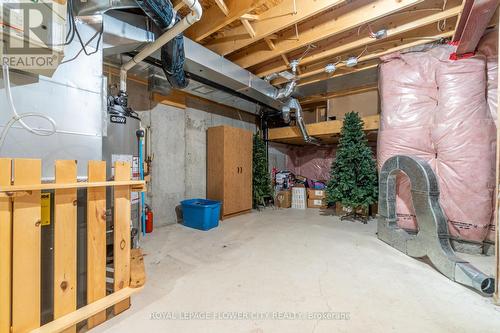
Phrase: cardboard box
(316, 203)
(316, 194)
(283, 199)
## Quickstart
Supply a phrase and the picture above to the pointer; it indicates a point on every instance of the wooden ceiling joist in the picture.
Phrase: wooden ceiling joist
(365, 13)
(222, 6)
(320, 75)
(212, 20)
(271, 21)
(345, 47)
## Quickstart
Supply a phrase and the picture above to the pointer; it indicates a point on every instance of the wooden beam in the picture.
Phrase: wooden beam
(8, 190)
(349, 19)
(5, 248)
(361, 42)
(61, 324)
(325, 128)
(175, 98)
(271, 21)
(222, 6)
(212, 20)
(65, 242)
(476, 23)
(248, 27)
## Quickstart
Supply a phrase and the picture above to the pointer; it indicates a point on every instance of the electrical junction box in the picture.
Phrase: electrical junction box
(33, 34)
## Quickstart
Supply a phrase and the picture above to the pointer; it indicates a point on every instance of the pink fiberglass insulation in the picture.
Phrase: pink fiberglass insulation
(488, 46)
(311, 163)
(408, 94)
(464, 136)
(436, 109)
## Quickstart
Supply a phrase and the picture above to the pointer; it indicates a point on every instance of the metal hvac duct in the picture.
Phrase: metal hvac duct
(432, 239)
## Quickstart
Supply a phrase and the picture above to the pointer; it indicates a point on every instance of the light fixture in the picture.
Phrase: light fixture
(330, 68)
(351, 61)
(382, 33)
(294, 64)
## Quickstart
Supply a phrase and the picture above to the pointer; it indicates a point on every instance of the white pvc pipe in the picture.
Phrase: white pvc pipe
(193, 17)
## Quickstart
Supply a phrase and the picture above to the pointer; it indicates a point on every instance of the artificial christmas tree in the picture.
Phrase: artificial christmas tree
(261, 178)
(354, 181)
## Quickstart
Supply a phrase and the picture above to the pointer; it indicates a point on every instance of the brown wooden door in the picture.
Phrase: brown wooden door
(232, 161)
(245, 176)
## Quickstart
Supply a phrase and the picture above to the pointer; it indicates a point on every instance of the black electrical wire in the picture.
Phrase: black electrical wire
(83, 45)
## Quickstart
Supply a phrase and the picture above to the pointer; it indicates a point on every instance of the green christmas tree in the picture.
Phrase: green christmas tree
(261, 177)
(354, 181)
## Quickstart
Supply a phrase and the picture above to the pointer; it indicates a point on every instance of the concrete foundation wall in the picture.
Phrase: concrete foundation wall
(178, 142)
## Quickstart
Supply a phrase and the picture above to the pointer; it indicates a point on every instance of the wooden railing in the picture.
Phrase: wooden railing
(20, 244)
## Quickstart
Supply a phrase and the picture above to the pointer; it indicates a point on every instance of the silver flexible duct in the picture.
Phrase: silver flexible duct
(432, 239)
(293, 104)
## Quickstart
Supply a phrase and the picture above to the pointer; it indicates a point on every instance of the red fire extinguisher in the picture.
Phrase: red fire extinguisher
(149, 220)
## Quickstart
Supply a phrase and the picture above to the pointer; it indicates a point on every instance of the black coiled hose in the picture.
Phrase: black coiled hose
(172, 54)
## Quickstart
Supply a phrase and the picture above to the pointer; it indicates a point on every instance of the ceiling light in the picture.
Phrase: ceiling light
(351, 61)
(382, 33)
(330, 68)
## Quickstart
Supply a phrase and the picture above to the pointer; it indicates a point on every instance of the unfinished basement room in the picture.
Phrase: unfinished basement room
(249, 166)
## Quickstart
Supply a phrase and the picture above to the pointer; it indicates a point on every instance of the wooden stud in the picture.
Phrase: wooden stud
(350, 19)
(65, 219)
(335, 50)
(248, 27)
(26, 272)
(5, 248)
(222, 6)
(121, 231)
(96, 240)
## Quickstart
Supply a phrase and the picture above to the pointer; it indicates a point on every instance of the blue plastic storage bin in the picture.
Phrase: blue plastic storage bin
(201, 214)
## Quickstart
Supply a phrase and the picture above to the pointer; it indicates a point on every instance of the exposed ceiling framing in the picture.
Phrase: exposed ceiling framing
(265, 36)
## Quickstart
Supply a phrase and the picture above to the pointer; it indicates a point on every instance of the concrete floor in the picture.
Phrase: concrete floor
(290, 262)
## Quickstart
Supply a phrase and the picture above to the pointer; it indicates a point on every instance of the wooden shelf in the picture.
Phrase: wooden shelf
(327, 131)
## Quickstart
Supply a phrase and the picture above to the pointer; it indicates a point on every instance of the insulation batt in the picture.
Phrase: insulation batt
(445, 121)
(488, 46)
(408, 95)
